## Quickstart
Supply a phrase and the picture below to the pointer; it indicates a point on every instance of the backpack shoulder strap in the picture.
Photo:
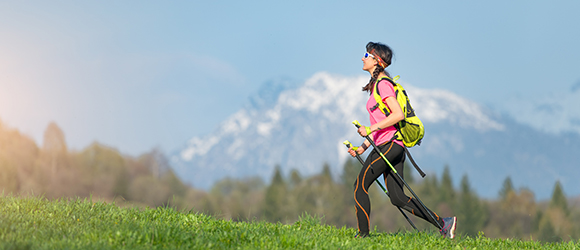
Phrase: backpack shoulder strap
(378, 98)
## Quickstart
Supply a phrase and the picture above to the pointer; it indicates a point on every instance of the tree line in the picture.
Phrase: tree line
(101, 172)
(54, 171)
(515, 214)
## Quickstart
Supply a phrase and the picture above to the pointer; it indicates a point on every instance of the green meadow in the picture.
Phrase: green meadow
(40, 223)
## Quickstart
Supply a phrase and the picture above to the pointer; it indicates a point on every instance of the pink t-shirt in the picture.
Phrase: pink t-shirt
(384, 135)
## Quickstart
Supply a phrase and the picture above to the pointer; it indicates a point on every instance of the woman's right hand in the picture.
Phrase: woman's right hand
(359, 151)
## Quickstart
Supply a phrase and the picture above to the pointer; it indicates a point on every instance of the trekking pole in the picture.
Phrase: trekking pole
(348, 145)
(358, 125)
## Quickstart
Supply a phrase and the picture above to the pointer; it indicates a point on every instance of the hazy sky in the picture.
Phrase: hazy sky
(141, 74)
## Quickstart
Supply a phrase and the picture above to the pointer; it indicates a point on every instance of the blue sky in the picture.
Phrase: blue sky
(141, 74)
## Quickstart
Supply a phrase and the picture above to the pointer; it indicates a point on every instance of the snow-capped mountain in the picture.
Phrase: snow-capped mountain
(304, 127)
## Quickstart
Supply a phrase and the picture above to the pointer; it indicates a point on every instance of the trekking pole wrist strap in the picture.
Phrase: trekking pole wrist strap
(358, 125)
(368, 130)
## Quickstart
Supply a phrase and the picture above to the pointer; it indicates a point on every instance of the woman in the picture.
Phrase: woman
(382, 131)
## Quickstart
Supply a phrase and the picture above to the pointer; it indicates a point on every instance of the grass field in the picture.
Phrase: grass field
(38, 223)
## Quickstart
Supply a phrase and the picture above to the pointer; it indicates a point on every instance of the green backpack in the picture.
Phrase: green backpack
(409, 130)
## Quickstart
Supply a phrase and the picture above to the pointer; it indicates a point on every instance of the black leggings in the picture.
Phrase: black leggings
(375, 166)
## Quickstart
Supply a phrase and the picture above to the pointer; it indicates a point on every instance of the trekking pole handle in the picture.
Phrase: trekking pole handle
(349, 145)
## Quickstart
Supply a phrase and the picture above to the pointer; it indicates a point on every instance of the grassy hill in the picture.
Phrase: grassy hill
(39, 223)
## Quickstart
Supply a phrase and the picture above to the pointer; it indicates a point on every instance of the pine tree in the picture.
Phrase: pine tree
(536, 221)
(326, 172)
(408, 173)
(295, 178)
(429, 190)
(447, 192)
(559, 199)
(327, 197)
(472, 212)
(507, 188)
(54, 158)
(350, 171)
(547, 232)
(274, 203)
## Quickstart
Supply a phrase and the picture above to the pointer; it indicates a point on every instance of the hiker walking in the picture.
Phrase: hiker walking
(383, 133)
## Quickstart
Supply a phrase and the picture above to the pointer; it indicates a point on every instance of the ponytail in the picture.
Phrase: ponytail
(373, 80)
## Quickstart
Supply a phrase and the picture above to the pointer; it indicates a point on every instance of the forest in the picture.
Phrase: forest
(100, 172)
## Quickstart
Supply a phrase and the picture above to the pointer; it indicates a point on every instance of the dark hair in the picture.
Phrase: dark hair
(386, 54)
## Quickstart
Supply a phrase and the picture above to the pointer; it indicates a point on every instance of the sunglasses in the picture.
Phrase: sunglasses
(367, 55)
